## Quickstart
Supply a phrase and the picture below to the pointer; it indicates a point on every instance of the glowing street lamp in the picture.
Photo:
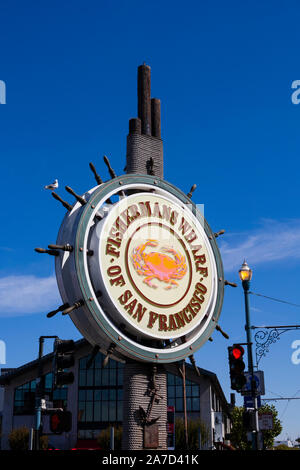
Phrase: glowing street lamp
(245, 273)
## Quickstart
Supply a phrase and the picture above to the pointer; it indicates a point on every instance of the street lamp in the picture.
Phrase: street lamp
(245, 274)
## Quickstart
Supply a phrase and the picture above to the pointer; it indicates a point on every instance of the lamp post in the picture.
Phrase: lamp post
(245, 274)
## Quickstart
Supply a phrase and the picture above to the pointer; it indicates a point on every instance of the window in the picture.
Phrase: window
(100, 394)
(24, 400)
(175, 394)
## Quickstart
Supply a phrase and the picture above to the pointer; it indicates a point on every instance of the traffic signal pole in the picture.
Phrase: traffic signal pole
(38, 398)
(246, 286)
(39, 394)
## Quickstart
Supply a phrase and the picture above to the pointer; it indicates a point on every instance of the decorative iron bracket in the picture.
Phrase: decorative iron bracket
(267, 335)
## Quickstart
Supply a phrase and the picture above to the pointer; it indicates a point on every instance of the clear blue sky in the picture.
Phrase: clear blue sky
(223, 71)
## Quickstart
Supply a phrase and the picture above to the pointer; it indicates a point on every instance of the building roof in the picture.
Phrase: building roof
(9, 374)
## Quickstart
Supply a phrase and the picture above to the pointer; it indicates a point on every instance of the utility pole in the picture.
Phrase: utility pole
(186, 439)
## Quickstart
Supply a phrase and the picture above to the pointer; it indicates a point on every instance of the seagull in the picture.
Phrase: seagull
(52, 185)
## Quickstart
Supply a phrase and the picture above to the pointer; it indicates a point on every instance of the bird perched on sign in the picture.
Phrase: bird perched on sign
(53, 185)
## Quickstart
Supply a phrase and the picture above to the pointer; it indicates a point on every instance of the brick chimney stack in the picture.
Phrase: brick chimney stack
(144, 144)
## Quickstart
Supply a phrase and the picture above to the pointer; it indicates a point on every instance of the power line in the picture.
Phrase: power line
(276, 300)
(275, 393)
(286, 406)
(280, 398)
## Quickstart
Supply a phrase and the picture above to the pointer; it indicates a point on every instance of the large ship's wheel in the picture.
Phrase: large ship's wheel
(139, 270)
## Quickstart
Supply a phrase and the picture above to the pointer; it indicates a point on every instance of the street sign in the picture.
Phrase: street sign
(259, 383)
(248, 402)
(265, 421)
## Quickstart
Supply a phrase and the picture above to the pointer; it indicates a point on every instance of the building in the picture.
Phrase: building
(95, 398)
(287, 443)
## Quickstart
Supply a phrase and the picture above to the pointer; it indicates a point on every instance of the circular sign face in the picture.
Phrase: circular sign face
(144, 274)
(156, 264)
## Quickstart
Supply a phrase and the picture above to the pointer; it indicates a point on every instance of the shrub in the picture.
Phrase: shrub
(19, 439)
(284, 447)
(194, 425)
(104, 438)
(44, 442)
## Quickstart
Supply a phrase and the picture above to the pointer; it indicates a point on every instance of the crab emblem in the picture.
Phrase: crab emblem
(155, 265)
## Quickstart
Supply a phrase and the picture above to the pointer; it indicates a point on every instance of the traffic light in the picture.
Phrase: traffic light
(248, 420)
(63, 359)
(236, 367)
(60, 421)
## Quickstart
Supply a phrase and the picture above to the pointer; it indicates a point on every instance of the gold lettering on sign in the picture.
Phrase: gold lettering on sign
(134, 302)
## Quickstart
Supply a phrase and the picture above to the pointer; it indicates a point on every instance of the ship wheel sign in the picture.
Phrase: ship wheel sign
(138, 269)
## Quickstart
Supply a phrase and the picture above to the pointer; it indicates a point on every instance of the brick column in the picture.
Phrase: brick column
(144, 156)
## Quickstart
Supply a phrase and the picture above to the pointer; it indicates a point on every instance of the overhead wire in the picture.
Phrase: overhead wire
(294, 305)
(286, 407)
(276, 300)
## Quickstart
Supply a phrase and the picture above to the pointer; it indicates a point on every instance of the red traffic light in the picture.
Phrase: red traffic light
(54, 422)
(237, 352)
(60, 421)
(236, 367)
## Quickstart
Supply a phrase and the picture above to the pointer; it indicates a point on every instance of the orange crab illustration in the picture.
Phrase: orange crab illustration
(155, 265)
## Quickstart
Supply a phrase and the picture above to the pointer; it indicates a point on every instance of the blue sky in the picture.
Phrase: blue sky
(223, 72)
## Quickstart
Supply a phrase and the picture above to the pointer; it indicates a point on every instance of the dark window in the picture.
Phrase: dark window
(213, 401)
(100, 395)
(175, 394)
(24, 399)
